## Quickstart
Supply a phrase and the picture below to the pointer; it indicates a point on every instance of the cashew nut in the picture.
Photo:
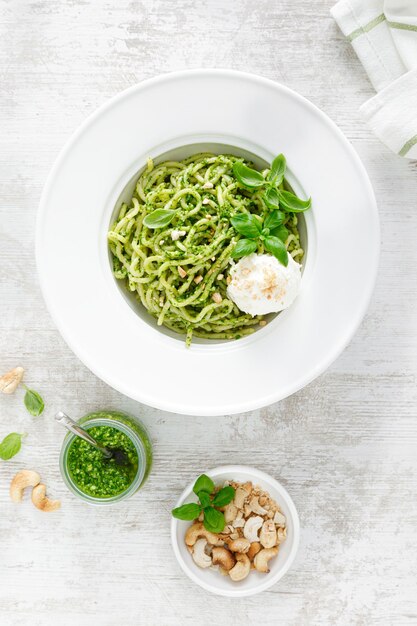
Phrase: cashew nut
(268, 534)
(262, 558)
(23, 479)
(241, 569)
(230, 513)
(239, 545)
(256, 507)
(200, 557)
(224, 558)
(281, 534)
(240, 497)
(279, 519)
(42, 502)
(255, 547)
(10, 380)
(196, 531)
(252, 527)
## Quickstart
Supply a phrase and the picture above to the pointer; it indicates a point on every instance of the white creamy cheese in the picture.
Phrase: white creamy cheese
(260, 284)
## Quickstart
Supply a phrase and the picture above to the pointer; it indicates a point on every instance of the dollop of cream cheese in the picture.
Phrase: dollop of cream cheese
(260, 284)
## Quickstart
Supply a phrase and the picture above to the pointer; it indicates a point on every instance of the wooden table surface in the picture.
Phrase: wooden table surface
(345, 447)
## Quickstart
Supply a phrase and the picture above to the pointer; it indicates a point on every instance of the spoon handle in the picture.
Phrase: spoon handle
(73, 427)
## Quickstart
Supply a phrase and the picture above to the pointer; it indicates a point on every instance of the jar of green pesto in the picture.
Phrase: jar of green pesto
(92, 477)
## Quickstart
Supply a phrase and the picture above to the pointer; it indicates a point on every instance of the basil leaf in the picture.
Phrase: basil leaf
(203, 483)
(204, 498)
(10, 446)
(159, 218)
(33, 402)
(247, 225)
(247, 176)
(224, 496)
(274, 219)
(277, 247)
(271, 198)
(243, 248)
(281, 232)
(277, 172)
(290, 202)
(187, 512)
(213, 520)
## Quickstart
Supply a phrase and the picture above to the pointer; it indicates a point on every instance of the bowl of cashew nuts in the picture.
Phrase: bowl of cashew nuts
(259, 541)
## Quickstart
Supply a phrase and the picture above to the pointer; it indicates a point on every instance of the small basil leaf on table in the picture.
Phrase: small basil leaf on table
(271, 198)
(33, 402)
(213, 520)
(278, 167)
(224, 496)
(274, 219)
(187, 512)
(203, 483)
(290, 202)
(247, 176)
(10, 446)
(204, 498)
(277, 247)
(281, 232)
(159, 218)
(247, 225)
(243, 248)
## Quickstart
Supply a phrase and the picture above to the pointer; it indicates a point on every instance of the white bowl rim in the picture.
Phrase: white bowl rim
(271, 579)
(235, 407)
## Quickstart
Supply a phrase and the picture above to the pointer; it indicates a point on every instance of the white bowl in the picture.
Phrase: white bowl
(212, 580)
(114, 337)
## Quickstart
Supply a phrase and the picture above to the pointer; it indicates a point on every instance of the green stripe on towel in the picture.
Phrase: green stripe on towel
(407, 146)
(365, 29)
(402, 26)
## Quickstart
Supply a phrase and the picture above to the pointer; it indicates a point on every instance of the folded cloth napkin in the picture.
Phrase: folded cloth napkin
(383, 34)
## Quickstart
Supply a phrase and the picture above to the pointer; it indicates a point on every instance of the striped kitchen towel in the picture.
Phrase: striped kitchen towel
(383, 34)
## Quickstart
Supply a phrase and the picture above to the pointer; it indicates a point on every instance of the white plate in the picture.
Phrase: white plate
(198, 109)
(256, 582)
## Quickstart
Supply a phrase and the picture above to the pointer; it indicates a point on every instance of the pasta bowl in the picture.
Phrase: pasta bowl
(247, 116)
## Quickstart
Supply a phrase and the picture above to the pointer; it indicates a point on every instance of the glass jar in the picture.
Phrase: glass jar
(134, 430)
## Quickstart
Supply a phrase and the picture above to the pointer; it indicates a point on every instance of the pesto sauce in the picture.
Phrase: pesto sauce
(92, 472)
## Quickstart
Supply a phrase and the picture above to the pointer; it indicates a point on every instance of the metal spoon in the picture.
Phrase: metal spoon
(120, 457)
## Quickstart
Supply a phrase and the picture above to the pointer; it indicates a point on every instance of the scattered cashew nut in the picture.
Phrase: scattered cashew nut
(240, 545)
(240, 497)
(196, 531)
(199, 555)
(10, 381)
(279, 519)
(252, 527)
(224, 558)
(255, 547)
(42, 502)
(230, 513)
(268, 534)
(241, 569)
(23, 479)
(261, 559)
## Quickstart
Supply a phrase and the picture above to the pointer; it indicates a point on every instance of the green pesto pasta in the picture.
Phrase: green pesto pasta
(180, 272)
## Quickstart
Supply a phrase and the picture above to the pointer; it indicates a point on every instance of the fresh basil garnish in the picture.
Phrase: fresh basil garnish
(289, 202)
(281, 232)
(271, 198)
(204, 498)
(159, 218)
(33, 402)
(278, 166)
(244, 247)
(247, 225)
(187, 512)
(203, 483)
(10, 446)
(274, 219)
(224, 496)
(247, 176)
(277, 247)
(213, 520)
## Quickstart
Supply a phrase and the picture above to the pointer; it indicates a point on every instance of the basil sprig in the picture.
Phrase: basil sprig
(159, 218)
(213, 519)
(10, 446)
(273, 197)
(270, 232)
